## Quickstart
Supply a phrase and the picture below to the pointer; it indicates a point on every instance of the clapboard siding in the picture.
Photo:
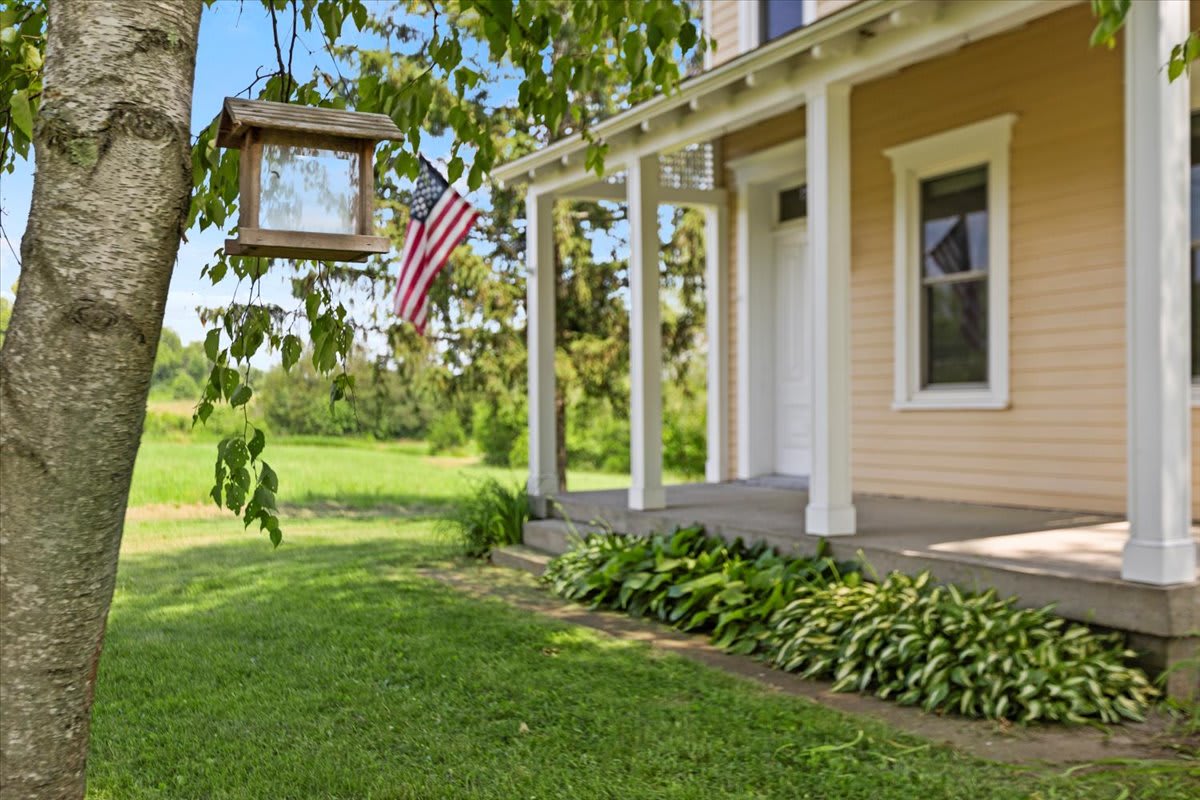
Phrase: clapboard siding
(724, 28)
(1062, 442)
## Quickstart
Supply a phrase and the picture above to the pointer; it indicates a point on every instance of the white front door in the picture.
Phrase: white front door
(793, 353)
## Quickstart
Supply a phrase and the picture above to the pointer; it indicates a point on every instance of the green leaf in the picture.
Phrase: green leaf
(257, 442)
(21, 114)
(229, 378)
(241, 396)
(291, 351)
(268, 478)
(212, 344)
(264, 497)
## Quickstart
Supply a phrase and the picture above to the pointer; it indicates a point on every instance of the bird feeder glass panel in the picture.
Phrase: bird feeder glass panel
(309, 189)
(306, 180)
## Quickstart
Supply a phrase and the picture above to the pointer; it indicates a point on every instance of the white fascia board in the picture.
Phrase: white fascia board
(958, 24)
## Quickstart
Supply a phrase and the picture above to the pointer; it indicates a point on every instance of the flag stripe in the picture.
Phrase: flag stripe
(434, 259)
(439, 219)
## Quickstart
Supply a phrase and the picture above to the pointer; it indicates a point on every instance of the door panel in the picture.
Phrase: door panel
(793, 351)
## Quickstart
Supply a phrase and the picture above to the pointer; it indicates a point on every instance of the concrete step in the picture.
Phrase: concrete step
(518, 556)
(554, 535)
(548, 535)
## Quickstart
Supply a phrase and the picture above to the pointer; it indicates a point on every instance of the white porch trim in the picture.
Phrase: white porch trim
(830, 509)
(716, 321)
(539, 287)
(645, 338)
(1157, 156)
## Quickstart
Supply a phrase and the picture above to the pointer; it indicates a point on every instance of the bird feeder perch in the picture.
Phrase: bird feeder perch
(306, 180)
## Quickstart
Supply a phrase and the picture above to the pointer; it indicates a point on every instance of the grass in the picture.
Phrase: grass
(334, 667)
(343, 473)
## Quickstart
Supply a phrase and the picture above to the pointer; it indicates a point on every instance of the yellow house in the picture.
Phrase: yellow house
(951, 291)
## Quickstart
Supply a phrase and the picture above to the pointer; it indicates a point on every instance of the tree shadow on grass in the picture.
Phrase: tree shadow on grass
(335, 669)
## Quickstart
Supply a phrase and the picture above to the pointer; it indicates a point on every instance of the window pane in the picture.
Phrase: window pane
(954, 223)
(956, 349)
(780, 17)
(306, 189)
(793, 203)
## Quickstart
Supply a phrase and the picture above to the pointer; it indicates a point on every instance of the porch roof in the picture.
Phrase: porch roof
(855, 44)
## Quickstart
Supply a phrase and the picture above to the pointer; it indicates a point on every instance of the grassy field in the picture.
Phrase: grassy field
(329, 472)
(334, 667)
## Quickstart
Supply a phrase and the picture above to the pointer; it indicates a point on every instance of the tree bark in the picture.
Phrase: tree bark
(109, 203)
(560, 430)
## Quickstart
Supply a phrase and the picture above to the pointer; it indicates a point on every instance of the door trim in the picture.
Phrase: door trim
(756, 177)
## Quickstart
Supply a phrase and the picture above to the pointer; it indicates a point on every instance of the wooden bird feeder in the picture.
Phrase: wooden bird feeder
(307, 180)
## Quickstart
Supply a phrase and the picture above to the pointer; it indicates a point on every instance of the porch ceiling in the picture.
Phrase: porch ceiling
(853, 45)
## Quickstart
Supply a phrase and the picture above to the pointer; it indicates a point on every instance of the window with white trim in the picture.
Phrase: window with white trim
(951, 268)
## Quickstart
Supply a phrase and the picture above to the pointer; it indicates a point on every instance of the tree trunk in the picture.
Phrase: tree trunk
(560, 430)
(109, 203)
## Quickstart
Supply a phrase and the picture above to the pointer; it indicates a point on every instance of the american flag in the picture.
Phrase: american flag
(438, 220)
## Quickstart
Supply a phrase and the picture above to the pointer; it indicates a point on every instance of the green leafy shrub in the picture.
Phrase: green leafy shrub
(495, 429)
(920, 643)
(184, 387)
(689, 580)
(446, 433)
(489, 515)
(903, 638)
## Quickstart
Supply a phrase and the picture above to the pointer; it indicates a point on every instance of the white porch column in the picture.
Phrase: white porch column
(539, 286)
(716, 271)
(645, 337)
(1160, 548)
(830, 509)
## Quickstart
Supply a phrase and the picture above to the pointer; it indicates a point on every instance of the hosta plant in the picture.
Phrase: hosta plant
(975, 654)
(692, 581)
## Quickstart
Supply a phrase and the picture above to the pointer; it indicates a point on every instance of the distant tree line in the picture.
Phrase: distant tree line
(404, 399)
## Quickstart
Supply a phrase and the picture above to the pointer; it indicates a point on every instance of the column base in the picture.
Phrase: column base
(1159, 563)
(647, 498)
(830, 520)
(541, 490)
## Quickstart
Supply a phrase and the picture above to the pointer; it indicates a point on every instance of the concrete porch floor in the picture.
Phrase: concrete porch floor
(1070, 559)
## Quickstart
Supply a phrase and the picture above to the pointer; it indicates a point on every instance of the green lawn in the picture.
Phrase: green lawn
(333, 668)
(313, 471)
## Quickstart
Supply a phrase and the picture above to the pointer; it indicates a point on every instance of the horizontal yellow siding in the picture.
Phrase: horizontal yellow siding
(1062, 443)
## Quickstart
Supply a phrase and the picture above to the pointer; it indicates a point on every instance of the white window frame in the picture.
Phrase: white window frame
(750, 22)
(984, 143)
(749, 25)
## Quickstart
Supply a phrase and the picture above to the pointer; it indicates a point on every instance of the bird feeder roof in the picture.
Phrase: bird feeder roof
(238, 116)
